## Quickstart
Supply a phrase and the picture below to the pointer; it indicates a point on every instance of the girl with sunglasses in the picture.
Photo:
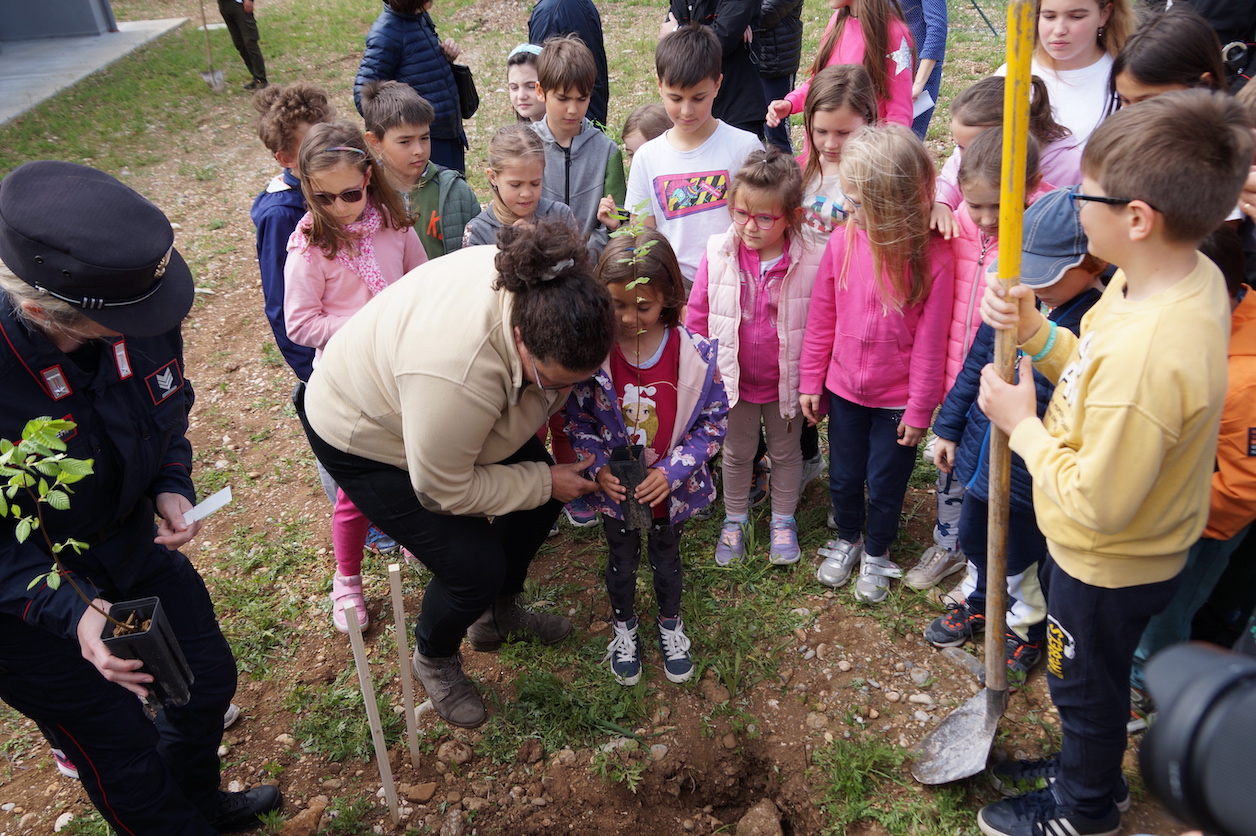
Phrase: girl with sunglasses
(751, 294)
(355, 240)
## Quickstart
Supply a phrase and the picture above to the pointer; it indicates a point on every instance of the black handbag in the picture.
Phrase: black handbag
(468, 96)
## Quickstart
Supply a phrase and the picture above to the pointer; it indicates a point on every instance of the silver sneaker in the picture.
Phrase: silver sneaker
(811, 469)
(935, 564)
(873, 583)
(840, 557)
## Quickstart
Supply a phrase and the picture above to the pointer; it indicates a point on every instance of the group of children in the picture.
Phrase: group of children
(757, 294)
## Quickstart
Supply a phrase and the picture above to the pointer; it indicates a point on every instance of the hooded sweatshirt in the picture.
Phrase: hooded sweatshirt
(581, 174)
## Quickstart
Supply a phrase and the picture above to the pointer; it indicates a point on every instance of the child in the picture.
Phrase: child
(741, 103)
(660, 388)
(1175, 50)
(1122, 459)
(871, 33)
(550, 18)
(876, 343)
(1076, 42)
(750, 296)
(516, 170)
(642, 125)
(521, 83)
(980, 107)
(680, 179)
(1065, 278)
(582, 163)
(285, 112)
(355, 241)
(840, 103)
(1232, 503)
(438, 199)
(403, 45)
(975, 247)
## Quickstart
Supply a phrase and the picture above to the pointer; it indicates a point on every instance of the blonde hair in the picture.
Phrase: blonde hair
(650, 120)
(893, 175)
(510, 146)
(60, 313)
(842, 85)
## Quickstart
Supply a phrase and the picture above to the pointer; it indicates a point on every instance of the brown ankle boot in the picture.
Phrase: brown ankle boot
(453, 696)
(507, 619)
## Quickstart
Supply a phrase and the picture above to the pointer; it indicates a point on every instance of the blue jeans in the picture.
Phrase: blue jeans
(864, 450)
(146, 778)
(1026, 549)
(1091, 635)
(1206, 562)
(773, 89)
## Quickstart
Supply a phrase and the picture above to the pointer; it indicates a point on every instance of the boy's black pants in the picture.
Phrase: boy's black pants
(1091, 636)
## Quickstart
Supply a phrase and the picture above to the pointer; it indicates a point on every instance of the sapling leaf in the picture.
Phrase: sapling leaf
(23, 529)
(59, 500)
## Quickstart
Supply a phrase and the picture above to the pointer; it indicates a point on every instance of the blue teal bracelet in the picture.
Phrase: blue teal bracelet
(1046, 349)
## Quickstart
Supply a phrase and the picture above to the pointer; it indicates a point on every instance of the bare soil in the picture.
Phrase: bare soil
(842, 675)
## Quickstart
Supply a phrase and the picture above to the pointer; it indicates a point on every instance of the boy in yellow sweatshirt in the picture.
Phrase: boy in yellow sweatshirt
(1121, 461)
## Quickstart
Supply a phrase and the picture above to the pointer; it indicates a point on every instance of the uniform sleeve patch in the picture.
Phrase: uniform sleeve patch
(1251, 441)
(164, 382)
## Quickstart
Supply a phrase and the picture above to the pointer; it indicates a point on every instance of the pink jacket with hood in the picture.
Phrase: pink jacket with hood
(862, 349)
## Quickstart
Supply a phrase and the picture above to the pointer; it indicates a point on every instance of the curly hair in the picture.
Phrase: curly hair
(283, 108)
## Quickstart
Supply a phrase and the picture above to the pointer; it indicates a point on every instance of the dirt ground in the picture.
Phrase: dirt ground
(839, 675)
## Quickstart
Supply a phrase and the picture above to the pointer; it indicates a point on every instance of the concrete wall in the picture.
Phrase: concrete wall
(23, 20)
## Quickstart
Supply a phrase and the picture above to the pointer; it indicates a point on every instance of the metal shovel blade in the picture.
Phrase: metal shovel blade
(215, 80)
(960, 745)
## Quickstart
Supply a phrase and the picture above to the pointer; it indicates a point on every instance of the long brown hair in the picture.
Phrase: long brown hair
(980, 105)
(327, 146)
(842, 85)
(874, 18)
(893, 175)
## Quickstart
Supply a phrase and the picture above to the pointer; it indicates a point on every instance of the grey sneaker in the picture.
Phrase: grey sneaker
(840, 557)
(873, 583)
(812, 469)
(453, 696)
(785, 548)
(935, 564)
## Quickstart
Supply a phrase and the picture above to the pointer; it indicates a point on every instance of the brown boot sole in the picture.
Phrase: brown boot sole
(494, 645)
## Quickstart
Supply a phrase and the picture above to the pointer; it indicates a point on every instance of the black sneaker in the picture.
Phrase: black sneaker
(240, 810)
(1021, 655)
(1037, 813)
(256, 84)
(1020, 777)
(956, 627)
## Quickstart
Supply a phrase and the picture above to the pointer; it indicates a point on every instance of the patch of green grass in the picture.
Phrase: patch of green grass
(864, 781)
(331, 720)
(352, 814)
(88, 823)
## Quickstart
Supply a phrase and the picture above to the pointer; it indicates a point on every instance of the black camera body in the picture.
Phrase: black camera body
(1198, 756)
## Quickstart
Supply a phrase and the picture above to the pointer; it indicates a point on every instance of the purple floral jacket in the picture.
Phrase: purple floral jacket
(594, 425)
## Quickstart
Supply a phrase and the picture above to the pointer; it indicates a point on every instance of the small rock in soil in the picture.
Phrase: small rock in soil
(763, 819)
(920, 699)
(566, 757)
(822, 650)
(235, 786)
(843, 665)
(922, 716)
(474, 804)
(454, 797)
(63, 821)
(921, 675)
(715, 693)
(893, 696)
(452, 824)
(531, 751)
(801, 635)
(688, 825)
(658, 751)
(873, 714)
(454, 751)
(816, 720)
(729, 740)
(333, 784)
(305, 823)
(422, 793)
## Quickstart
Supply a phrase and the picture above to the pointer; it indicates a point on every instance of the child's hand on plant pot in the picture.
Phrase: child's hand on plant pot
(125, 672)
(610, 485)
(653, 488)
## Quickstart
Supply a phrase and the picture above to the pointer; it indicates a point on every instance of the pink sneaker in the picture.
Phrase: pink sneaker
(347, 588)
(64, 766)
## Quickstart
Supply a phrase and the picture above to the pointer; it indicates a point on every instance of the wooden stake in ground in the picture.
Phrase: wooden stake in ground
(403, 661)
(372, 710)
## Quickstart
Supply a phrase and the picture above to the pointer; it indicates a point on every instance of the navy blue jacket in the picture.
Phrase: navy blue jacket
(130, 401)
(406, 48)
(579, 17)
(778, 38)
(961, 420)
(740, 102)
(275, 213)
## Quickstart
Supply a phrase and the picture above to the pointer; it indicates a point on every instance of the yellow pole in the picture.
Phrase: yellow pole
(1020, 45)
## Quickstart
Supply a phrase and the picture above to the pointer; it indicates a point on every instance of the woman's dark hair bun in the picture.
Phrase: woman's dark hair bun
(528, 255)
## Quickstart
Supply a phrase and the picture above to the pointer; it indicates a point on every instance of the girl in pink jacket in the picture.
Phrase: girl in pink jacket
(874, 34)
(750, 294)
(355, 241)
(875, 348)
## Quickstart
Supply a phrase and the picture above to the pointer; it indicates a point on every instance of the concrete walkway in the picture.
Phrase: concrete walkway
(31, 71)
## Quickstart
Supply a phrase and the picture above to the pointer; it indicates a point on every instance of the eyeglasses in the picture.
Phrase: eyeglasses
(854, 205)
(741, 217)
(348, 196)
(543, 387)
(1076, 195)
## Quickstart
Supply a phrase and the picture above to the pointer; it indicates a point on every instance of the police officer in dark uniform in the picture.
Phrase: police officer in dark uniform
(92, 294)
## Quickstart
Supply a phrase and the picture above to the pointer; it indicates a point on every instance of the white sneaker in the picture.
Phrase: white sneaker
(935, 564)
(812, 469)
(873, 583)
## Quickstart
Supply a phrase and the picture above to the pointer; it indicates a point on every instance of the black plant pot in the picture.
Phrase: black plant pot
(156, 647)
(628, 465)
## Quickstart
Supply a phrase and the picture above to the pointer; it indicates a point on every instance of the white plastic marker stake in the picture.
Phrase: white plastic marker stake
(208, 506)
(403, 658)
(372, 710)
